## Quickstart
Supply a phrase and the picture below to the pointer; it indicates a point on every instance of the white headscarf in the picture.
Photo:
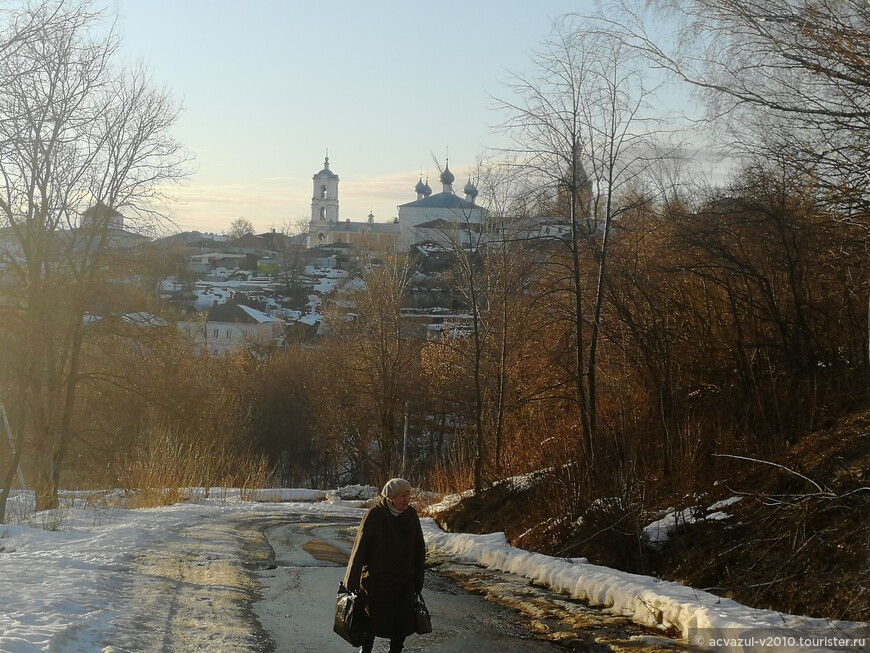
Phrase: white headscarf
(395, 487)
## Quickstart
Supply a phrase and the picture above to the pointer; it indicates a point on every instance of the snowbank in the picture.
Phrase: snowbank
(705, 620)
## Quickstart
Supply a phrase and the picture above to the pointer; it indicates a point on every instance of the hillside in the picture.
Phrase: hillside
(791, 535)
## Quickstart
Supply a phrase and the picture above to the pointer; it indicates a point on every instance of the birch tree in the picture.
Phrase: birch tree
(582, 134)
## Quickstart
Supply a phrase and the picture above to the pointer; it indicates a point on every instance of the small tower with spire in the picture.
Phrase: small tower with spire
(324, 202)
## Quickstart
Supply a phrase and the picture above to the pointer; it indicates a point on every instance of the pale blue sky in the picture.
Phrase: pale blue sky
(269, 85)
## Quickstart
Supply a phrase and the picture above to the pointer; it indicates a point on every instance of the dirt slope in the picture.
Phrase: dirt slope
(798, 540)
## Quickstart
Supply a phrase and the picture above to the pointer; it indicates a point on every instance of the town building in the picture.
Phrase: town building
(229, 327)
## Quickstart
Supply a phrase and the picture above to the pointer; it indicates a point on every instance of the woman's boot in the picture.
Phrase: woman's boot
(368, 644)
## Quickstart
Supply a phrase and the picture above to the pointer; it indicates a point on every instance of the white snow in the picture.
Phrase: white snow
(658, 532)
(208, 297)
(702, 618)
(59, 587)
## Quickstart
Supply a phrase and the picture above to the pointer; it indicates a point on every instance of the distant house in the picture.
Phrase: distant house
(102, 222)
(203, 263)
(192, 242)
(208, 251)
(280, 242)
(100, 228)
(431, 257)
(304, 328)
(254, 245)
(230, 327)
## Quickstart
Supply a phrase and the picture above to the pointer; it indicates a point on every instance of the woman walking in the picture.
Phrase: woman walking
(387, 564)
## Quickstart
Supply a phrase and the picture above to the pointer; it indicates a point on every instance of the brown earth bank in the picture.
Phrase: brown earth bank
(797, 540)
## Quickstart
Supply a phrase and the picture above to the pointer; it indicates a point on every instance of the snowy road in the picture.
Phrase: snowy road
(299, 595)
(225, 574)
(234, 576)
(194, 592)
(310, 553)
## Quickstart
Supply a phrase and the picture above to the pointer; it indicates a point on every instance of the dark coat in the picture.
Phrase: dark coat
(388, 563)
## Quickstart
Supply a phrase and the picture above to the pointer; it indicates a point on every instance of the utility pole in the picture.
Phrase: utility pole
(405, 441)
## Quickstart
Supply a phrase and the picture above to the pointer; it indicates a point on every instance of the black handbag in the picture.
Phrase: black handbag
(421, 613)
(350, 616)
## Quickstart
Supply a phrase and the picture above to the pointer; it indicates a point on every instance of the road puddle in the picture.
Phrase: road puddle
(325, 552)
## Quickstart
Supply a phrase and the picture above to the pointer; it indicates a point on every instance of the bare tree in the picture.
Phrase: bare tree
(240, 227)
(582, 134)
(371, 363)
(82, 141)
(788, 75)
(507, 264)
(787, 78)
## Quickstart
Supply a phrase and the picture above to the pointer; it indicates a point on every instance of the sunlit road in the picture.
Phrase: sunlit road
(310, 554)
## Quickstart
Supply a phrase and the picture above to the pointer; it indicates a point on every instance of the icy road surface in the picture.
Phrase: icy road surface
(310, 554)
(225, 575)
(247, 577)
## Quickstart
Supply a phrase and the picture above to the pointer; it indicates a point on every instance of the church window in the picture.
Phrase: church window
(323, 213)
(323, 193)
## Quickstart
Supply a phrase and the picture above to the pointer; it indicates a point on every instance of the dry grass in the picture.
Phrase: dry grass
(163, 468)
(455, 474)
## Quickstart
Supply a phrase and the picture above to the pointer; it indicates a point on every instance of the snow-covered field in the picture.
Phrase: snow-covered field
(61, 575)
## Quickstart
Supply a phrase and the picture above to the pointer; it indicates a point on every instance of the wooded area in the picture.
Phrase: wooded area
(670, 321)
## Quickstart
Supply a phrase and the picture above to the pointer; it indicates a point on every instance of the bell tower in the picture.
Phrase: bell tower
(324, 205)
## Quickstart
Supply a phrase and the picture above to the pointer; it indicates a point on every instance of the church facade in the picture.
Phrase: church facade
(442, 219)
